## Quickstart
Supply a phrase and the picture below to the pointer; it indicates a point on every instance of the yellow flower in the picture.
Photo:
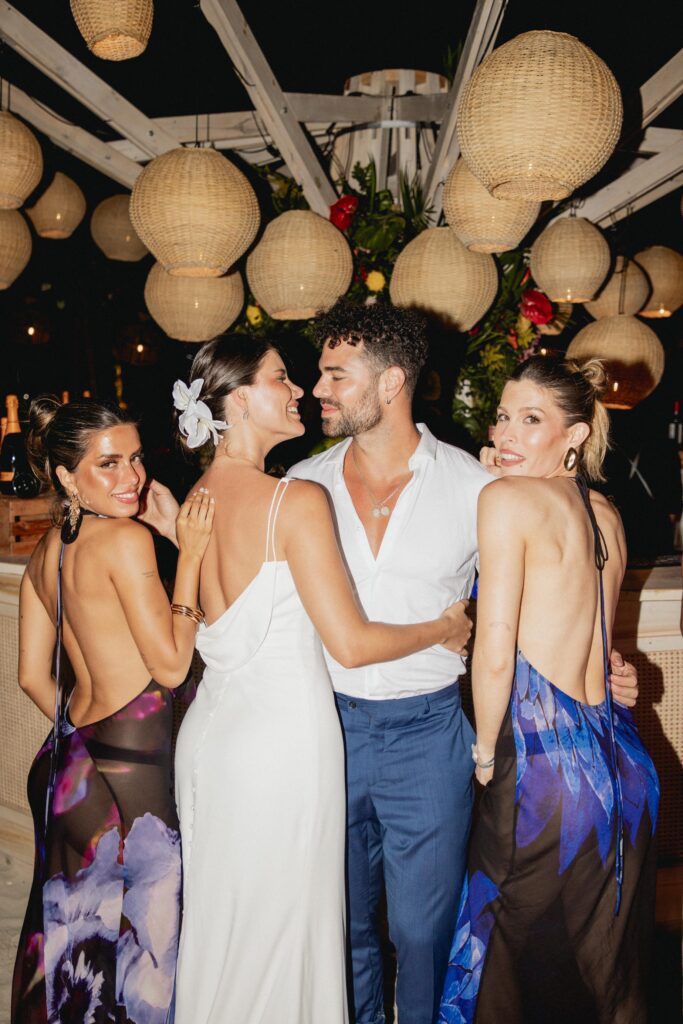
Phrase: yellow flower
(375, 281)
(254, 315)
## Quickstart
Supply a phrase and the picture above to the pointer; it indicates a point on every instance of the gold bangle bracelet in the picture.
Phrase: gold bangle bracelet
(196, 614)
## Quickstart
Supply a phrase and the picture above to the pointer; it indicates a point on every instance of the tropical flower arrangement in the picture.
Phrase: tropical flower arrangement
(377, 229)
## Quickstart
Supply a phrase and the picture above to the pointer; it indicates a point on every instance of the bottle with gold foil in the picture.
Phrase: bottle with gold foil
(3, 428)
(16, 477)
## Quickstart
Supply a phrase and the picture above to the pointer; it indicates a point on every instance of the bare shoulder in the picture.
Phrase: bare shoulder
(506, 493)
(305, 499)
(124, 538)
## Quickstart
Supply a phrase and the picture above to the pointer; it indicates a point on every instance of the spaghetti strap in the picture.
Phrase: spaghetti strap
(278, 495)
(601, 556)
(59, 691)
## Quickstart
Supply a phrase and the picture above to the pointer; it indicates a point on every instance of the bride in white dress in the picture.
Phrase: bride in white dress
(260, 761)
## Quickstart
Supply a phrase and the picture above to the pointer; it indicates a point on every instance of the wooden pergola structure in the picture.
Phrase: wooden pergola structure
(277, 117)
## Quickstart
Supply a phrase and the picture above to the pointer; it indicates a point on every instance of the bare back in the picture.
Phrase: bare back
(559, 623)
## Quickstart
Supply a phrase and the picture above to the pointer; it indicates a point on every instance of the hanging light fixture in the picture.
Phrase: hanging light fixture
(632, 353)
(301, 266)
(195, 211)
(59, 210)
(539, 117)
(113, 231)
(114, 29)
(625, 291)
(570, 260)
(664, 267)
(15, 246)
(21, 161)
(436, 273)
(482, 223)
(193, 308)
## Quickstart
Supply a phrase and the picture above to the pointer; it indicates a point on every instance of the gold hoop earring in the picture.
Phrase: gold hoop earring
(570, 459)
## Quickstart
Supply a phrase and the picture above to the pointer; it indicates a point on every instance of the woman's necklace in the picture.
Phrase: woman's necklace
(380, 508)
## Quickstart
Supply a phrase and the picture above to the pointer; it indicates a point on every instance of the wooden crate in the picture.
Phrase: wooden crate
(23, 521)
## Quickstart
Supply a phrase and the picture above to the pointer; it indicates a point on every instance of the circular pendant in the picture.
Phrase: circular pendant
(376, 513)
(385, 510)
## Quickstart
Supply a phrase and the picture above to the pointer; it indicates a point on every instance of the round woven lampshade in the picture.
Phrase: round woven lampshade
(193, 308)
(562, 318)
(481, 222)
(664, 267)
(114, 29)
(15, 246)
(539, 117)
(21, 161)
(570, 260)
(301, 266)
(436, 273)
(59, 210)
(625, 291)
(113, 231)
(195, 211)
(632, 353)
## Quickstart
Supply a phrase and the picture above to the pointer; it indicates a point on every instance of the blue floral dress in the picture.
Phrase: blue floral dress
(556, 914)
(99, 940)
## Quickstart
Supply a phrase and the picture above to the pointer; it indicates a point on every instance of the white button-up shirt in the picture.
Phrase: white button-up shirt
(426, 562)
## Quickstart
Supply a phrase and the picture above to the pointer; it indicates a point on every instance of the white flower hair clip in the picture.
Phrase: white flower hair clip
(195, 422)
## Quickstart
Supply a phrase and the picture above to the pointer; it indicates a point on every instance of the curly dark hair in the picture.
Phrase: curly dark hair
(390, 336)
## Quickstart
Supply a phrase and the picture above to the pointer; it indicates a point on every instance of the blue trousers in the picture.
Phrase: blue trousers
(409, 779)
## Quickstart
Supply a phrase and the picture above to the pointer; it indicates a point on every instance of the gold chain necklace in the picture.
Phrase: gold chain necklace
(380, 508)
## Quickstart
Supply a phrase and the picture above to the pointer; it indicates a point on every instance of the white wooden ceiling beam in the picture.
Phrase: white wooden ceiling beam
(480, 40)
(655, 140)
(53, 60)
(660, 91)
(270, 102)
(637, 187)
(75, 140)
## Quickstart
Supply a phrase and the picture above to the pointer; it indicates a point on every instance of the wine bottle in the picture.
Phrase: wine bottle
(676, 426)
(16, 477)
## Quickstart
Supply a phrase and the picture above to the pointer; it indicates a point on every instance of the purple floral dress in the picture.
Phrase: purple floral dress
(100, 936)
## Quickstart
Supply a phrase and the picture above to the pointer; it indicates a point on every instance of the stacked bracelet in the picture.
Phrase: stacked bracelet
(477, 760)
(196, 614)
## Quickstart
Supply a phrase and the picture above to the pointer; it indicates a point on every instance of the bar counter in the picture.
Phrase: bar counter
(647, 632)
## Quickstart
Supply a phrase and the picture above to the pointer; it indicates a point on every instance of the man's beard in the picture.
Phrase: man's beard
(365, 415)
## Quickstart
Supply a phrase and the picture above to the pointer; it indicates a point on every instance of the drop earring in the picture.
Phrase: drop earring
(570, 459)
(72, 520)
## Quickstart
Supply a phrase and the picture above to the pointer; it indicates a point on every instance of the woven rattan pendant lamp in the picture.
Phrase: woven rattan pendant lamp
(113, 231)
(625, 291)
(664, 267)
(539, 117)
(21, 161)
(632, 353)
(15, 246)
(114, 29)
(570, 260)
(195, 211)
(59, 210)
(436, 273)
(301, 266)
(193, 308)
(481, 222)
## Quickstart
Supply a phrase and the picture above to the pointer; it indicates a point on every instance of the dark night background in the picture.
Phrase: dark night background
(89, 311)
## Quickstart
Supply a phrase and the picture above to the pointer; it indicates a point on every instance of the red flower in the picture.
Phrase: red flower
(474, 331)
(536, 306)
(342, 212)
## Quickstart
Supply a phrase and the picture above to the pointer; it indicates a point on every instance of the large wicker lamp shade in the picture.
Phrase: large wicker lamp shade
(632, 353)
(21, 161)
(539, 117)
(59, 210)
(15, 246)
(114, 29)
(113, 231)
(193, 308)
(625, 291)
(570, 260)
(436, 273)
(195, 211)
(301, 266)
(664, 267)
(481, 222)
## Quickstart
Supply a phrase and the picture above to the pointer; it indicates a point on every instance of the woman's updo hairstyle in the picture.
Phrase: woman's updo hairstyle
(225, 364)
(59, 435)
(577, 388)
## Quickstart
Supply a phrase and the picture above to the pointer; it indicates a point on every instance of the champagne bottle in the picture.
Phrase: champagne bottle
(65, 398)
(3, 428)
(16, 477)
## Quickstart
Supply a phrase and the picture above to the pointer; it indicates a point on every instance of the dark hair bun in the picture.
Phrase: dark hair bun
(40, 416)
(593, 372)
